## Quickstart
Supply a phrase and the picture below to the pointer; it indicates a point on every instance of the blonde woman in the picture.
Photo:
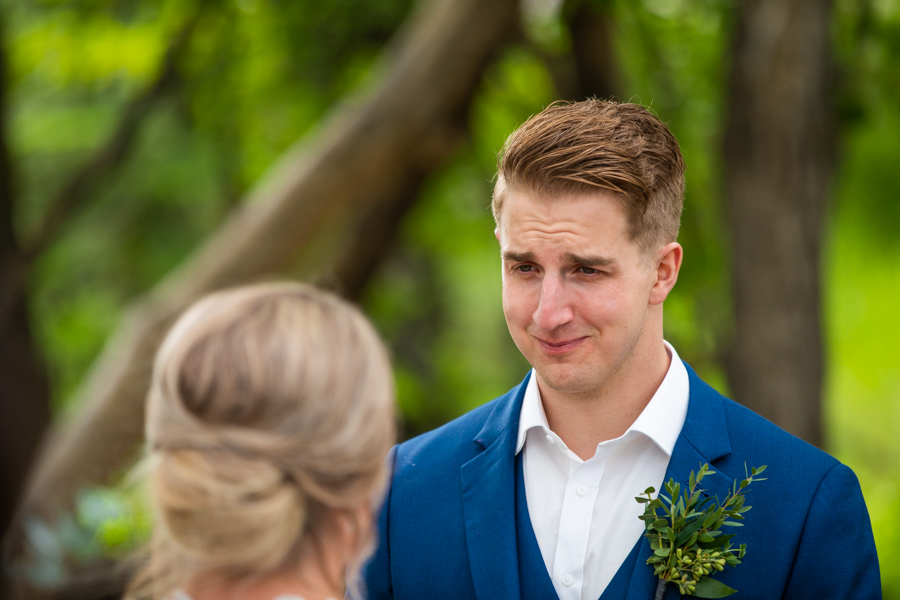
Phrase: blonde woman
(268, 419)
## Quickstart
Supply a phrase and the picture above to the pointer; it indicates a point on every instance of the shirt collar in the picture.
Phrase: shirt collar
(661, 420)
(532, 414)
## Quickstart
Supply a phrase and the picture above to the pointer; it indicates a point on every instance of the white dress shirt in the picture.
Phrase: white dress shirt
(584, 513)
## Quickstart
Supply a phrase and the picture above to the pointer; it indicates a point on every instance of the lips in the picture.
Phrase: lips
(560, 347)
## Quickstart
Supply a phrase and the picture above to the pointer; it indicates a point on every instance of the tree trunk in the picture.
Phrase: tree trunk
(320, 197)
(25, 400)
(24, 393)
(591, 28)
(779, 156)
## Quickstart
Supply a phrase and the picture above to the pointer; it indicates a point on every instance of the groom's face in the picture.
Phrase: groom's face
(576, 289)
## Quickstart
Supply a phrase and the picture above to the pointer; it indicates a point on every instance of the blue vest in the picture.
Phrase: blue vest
(534, 581)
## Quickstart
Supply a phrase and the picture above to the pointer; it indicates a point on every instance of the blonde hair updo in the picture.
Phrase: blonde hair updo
(270, 406)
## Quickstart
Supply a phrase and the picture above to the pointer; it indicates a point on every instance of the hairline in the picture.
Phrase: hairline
(645, 243)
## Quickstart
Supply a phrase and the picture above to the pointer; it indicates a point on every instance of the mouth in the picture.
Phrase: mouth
(561, 346)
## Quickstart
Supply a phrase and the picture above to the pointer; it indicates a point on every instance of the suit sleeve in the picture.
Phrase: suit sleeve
(836, 558)
(376, 574)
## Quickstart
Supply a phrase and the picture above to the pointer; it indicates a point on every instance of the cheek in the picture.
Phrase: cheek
(517, 301)
(612, 307)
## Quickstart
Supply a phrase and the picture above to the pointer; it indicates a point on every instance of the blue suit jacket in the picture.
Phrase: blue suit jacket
(448, 531)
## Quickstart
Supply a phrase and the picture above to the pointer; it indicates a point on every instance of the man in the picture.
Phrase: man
(533, 494)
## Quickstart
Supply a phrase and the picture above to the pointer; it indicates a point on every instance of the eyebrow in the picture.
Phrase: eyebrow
(588, 261)
(568, 257)
(518, 256)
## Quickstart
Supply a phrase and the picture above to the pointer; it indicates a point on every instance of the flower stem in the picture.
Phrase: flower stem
(660, 589)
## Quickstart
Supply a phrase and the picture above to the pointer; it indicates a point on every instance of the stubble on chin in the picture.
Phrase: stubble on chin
(572, 382)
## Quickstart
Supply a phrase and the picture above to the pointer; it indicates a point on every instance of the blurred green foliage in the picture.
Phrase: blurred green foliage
(107, 524)
(259, 74)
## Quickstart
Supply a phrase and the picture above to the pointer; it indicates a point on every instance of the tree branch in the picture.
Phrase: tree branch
(307, 207)
(77, 191)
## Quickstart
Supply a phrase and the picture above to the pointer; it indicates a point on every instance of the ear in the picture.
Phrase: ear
(668, 263)
(497, 233)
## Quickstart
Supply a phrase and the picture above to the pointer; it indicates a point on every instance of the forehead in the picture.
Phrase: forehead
(592, 217)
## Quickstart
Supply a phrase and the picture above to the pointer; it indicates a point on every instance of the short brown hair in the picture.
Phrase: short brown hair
(578, 147)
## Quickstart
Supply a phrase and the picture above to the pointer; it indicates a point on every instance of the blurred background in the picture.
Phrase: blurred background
(155, 150)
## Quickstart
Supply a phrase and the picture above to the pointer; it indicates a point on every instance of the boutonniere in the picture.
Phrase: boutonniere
(685, 533)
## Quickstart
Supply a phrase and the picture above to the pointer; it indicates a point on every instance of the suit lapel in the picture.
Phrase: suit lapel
(703, 439)
(488, 495)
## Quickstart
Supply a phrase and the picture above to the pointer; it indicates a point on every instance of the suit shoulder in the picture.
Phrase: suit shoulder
(754, 435)
(452, 442)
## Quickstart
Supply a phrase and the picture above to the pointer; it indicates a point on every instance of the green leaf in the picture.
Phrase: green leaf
(688, 532)
(704, 502)
(708, 587)
(662, 551)
(733, 524)
(641, 499)
(719, 542)
(650, 490)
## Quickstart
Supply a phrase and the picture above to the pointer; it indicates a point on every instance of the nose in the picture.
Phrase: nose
(555, 307)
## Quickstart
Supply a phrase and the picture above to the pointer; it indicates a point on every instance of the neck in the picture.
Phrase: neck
(583, 421)
(315, 577)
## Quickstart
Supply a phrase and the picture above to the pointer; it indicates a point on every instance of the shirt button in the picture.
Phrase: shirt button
(581, 490)
(568, 579)
(549, 438)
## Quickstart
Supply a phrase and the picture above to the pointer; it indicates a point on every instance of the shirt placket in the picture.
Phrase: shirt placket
(575, 525)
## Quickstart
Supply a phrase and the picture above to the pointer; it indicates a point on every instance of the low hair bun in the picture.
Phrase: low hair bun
(271, 408)
(223, 510)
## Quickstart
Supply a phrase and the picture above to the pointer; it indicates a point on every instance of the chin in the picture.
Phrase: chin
(564, 381)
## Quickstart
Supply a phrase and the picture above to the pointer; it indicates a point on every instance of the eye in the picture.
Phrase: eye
(524, 268)
(588, 270)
